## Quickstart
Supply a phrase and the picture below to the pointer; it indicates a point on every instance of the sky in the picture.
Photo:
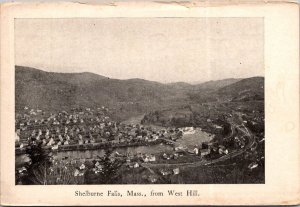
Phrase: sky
(158, 49)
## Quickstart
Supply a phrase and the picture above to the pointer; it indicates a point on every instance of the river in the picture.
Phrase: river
(92, 154)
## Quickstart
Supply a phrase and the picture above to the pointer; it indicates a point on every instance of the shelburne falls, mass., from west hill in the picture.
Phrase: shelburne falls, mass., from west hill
(84, 128)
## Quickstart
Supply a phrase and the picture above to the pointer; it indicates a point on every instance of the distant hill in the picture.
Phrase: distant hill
(228, 89)
(216, 84)
(56, 91)
(244, 90)
(29, 74)
(204, 86)
(246, 94)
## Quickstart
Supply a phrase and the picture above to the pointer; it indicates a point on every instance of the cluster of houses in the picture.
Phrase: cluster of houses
(205, 149)
(168, 156)
(187, 130)
(85, 126)
(166, 172)
(134, 161)
(239, 142)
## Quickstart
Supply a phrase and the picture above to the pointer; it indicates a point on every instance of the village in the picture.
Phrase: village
(86, 129)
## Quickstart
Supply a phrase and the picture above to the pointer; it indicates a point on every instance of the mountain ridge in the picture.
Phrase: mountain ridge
(52, 91)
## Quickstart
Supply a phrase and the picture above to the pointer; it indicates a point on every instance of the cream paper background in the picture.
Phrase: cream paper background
(282, 171)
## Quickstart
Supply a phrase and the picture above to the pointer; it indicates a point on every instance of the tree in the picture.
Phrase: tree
(43, 170)
(36, 169)
(38, 154)
(109, 170)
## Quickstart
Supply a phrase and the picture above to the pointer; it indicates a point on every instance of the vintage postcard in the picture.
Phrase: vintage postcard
(150, 103)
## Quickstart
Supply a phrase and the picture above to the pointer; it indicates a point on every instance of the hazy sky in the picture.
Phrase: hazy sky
(159, 49)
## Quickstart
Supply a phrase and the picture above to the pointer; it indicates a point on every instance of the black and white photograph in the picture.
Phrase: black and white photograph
(139, 100)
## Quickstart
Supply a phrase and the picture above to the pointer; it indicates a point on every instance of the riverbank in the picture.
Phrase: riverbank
(93, 146)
